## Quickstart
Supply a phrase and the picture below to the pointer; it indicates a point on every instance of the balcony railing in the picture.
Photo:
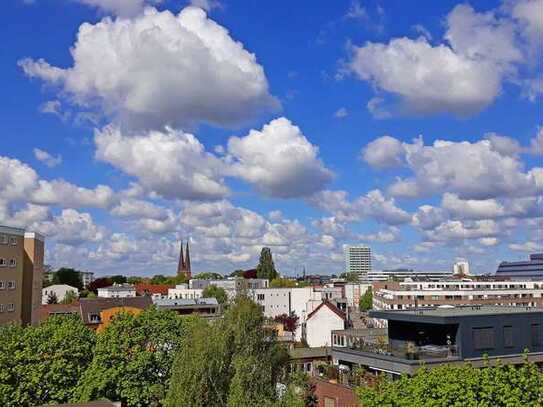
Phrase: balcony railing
(408, 352)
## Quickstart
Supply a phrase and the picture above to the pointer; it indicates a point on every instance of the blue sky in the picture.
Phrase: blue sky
(131, 124)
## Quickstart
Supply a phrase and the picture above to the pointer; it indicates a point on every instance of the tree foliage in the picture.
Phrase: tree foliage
(290, 322)
(282, 283)
(118, 279)
(68, 276)
(209, 276)
(266, 268)
(170, 280)
(212, 291)
(99, 283)
(52, 298)
(133, 358)
(70, 297)
(451, 385)
(229, 362)
(41, 365)
(366, 301)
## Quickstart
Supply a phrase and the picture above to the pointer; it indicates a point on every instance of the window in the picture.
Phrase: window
(2, 285)
(508, 336)
(2, 262)
(260, 297)
(11, 307)
(12, 262)
(11, 285)
(536, 335)
(13, 241)
(94, 318)
(329, 402)
(3, 239)
(2, 308)
(483, 338)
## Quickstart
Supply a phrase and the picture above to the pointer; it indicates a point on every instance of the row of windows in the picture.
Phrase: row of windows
(6, 263)
(10, 285)
(7, 308)
(4, 239)
(484, 338)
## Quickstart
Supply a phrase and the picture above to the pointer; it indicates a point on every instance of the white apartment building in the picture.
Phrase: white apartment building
(59, 291)
(358, 261)
(117, 291)
(461, 268)
(87, 277)
(182, 291)
(321, 322)
(405, 295)
(232, 286)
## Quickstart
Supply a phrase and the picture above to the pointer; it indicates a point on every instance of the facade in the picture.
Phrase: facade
(87, 277)
(153, 290)
(21, 271)
(232, 286)
(358, 261)
(403, 274)
(117, 291)
(432, 337)
(415, 294)
(182, 291)
(92, 310)
(354, 291)
(59, 291)
(183, 267)
(321, 322)
(532, 269)
(207, 307)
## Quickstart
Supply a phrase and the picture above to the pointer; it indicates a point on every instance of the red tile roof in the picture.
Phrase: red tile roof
(142, 288)
(332, 307)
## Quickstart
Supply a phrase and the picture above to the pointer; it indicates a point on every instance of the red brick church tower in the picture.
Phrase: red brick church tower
(183, 267)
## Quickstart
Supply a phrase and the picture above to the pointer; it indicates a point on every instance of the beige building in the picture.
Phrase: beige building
(21, 268)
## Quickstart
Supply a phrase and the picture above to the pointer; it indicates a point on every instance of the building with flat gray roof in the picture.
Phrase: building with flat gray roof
(448, 335)
(531, 269)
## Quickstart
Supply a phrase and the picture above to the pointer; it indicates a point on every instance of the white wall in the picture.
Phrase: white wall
(60, 291)
(181, 292)
(116, 293)
(320, 326)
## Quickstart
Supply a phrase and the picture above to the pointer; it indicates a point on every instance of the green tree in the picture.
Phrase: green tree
(70, 297)
(232, 361)
(212, 291)
(451, 385)
(170, 280)
(134, 280)
(52, 298)
(266, 268)
(366, 301)
(282, 283)
(133, 358)
(350, 277)
(237, 273)
(209, 276)
(68, 276)
(118, 279)
(42, 365)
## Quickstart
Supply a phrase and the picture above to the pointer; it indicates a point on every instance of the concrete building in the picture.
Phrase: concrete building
(432, 337)
(207, 307)
(87, 277)
(232, 286)
(353, 292)
(524, 270)
(402, 274)
(117, 291)
(415, 294)
(461, 268)
(358, 261)
(182, 291)
(321, 322)
(21, 271)
(59, 291)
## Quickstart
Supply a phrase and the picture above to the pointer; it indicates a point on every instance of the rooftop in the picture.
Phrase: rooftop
(119, 287)
(452, 312)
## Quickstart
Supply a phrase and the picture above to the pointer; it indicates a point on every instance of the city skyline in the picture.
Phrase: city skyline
(304, 129)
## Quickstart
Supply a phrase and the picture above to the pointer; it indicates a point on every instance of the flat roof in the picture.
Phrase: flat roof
(309, 353)
(438, 314)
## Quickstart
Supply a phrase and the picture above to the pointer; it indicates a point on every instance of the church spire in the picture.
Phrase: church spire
(187, 261)
(183, 267)
(181, 264)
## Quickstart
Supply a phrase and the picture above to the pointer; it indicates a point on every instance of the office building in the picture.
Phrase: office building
(358, 261)
(403, 274)
(531, 269)
(21, 269)
(461, 268)
(415, 294)
(452, 335)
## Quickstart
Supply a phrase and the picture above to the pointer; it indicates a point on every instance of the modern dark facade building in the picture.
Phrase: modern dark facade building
(532, 269)
(447, 335)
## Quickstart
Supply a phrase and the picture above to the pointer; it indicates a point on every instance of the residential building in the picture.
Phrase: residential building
(21, 271)
(415, 294)
(358, 261)
(453, 335)
(331, 394)
(309, 360)
(207, 307)
(402, 274)
(117, 291)
(532, 269)
(233, 286)
(353, 292)
(87, 277)
(97, 312)
(153, 290)
(461, 268)
(59, 291)
(321, 322)
(59, 309)
(182, 291)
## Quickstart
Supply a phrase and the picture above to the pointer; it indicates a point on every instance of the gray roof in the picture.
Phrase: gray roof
(454, 312)
(309, 353)
(119, 287)
(173, 302)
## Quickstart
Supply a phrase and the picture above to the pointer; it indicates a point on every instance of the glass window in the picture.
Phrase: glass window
(536, 335)
(2, 308)
(483, 338)
(12, 262)
(13, 241)
(3, 239)
(11, 285)
(508, 341)
(11, 307)
(2, 262)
